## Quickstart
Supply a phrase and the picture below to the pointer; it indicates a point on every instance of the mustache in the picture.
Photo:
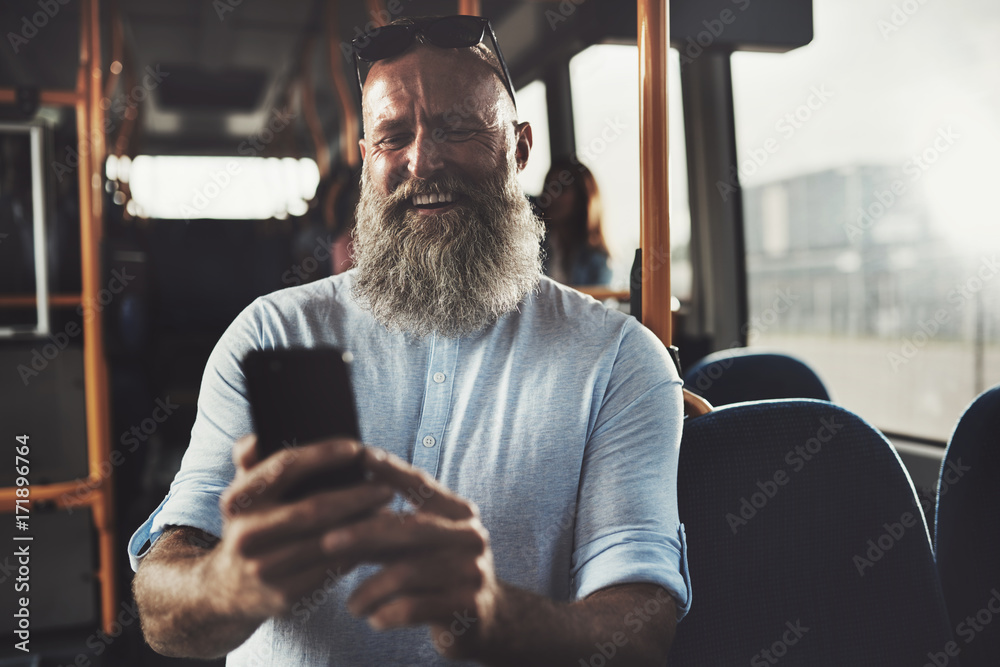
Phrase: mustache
(436, 185)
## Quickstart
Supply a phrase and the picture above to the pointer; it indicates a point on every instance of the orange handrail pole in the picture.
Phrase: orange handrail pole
(312, 118)
(601, 292)
(29, 300)
(91, 148)
(51, 98)
(76, 493)
(117, 49)
(377, 10)
(350, 153)
(470, 7)
(695, 405)
(654, 211)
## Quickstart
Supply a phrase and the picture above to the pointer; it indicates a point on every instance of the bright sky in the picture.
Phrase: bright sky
(896, 81)
(531, 106)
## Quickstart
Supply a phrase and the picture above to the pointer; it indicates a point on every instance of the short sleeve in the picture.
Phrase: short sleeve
(207, 469)
(627, 528)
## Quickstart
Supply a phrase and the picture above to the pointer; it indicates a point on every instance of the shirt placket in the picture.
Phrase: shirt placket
(438, 386)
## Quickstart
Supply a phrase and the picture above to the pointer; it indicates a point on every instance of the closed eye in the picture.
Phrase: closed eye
(460, 135)
(394, 141)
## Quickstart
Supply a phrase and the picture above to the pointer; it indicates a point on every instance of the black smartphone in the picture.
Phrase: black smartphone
(299, 396)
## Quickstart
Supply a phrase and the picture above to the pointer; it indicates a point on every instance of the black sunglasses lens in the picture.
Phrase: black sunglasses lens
(385, 43)
(455, 31)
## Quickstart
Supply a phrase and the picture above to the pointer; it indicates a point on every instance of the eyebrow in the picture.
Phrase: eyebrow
(444, 119)
(389, 125)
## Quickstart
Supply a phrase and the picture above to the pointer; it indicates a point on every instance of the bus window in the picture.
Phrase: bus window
(185, 187)
(605, 83)
(531, 107)
(866, 160)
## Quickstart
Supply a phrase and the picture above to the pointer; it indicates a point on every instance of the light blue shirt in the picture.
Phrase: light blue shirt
(562, 422)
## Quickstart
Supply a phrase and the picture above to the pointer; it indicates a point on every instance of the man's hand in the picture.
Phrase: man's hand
(270, 554)
(437, 563)
(203, 602)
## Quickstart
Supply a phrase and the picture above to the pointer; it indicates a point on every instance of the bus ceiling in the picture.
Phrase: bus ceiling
(209, 72)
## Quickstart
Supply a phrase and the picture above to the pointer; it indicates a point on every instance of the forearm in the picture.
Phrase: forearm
(182, 610)
(633, 624)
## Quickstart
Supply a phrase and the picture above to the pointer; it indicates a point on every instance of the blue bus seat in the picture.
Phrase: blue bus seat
(967, 530)
(806, 540)
(740, 374)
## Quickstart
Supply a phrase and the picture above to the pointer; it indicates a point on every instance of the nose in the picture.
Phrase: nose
(426, 155)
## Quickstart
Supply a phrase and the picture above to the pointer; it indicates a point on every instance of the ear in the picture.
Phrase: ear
(522, 137)
(364, 149)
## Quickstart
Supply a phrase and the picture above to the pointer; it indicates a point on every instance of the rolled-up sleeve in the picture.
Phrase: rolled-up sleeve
(194, 503)
(628, 529)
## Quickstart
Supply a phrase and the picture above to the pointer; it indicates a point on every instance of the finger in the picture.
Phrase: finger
(388, 536)
(268, 481)
(414, 577)
(287, 563)
(245, 452)
(415, 483)
(312, 516)
(423, 609)
(302, 588)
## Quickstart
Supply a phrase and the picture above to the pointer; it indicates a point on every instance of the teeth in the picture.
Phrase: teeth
(435, 198)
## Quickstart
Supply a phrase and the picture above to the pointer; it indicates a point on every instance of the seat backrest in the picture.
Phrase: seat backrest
(967, 532)
(739, 374)
(805, 539)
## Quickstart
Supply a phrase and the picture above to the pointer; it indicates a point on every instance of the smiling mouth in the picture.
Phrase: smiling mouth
(434, 201)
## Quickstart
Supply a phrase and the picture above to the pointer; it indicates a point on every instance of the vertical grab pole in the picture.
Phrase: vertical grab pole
(350, 123)
(377, 10)
(469, 7)
(654, 212)
(91, 146)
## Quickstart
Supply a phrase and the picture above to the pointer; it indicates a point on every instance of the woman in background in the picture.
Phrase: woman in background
(576, 253)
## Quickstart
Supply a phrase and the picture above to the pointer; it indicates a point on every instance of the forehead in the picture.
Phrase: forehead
(428, 80)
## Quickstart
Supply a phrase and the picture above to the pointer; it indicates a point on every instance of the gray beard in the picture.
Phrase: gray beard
(452, 273)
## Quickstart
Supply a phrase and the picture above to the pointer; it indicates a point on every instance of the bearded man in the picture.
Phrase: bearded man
(520, 506)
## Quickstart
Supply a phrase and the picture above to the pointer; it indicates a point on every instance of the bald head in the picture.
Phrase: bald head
(432, 110)
(449, 79)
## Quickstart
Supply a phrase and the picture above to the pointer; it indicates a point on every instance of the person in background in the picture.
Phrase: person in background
(576, 253)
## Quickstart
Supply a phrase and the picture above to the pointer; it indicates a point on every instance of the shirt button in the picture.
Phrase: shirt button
(439, 377)
(429, 441)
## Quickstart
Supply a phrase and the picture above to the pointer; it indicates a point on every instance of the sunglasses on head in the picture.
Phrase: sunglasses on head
(448, 32)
